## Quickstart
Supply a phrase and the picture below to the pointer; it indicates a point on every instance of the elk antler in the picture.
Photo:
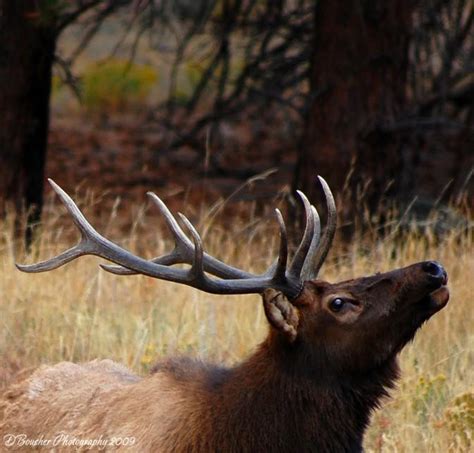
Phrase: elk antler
(231, 280)
(319, 250)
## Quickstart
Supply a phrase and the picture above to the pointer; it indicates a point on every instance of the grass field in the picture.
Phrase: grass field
(80, 312)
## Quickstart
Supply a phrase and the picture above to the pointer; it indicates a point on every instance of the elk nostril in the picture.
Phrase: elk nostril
(435, 269)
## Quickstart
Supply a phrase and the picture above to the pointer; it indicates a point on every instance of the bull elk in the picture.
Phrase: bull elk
(329, 357)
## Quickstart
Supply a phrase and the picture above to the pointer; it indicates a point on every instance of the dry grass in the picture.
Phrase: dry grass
(79, 313)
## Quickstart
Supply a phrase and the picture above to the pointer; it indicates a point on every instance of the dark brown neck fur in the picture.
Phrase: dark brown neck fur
(285, 398)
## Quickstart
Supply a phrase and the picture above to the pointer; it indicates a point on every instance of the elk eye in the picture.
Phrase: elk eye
(337, 304)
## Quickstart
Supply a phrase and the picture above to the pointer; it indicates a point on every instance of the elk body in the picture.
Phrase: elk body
(329, 358)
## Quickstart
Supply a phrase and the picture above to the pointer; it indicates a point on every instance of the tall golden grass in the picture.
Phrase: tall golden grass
(79, 312)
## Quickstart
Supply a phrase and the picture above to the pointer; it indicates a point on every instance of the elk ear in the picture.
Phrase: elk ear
(281, 314)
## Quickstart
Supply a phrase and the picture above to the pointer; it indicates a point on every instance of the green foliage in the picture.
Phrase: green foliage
(117, 84)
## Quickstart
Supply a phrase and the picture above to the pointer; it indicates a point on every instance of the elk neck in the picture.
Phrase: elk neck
(297, 400)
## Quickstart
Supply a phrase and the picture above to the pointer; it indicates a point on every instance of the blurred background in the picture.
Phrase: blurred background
(192, 98)
(224, 108)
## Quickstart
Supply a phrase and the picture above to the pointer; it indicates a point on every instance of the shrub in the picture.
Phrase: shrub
(117, 84)
(429, 393)
(460, 417)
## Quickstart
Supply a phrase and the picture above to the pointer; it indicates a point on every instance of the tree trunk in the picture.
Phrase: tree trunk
(358, 77)
(27, 46)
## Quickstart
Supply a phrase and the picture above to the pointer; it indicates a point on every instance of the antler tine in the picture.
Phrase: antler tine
(305, 244)
(178, 234)
(183, 251)
(82, 248)
(306, 271)
(317, 256)
(280, 269)
(197, 267)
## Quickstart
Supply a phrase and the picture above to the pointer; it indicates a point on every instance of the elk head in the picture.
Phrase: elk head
(354, 325)
(359, 324)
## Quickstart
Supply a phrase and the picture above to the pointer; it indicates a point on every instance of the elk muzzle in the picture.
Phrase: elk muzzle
(438, 277)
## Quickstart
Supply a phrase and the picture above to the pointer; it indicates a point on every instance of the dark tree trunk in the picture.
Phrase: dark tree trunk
(27, 46)
(358, 75)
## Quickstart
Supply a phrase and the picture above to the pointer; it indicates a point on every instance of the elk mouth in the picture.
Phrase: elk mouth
(437, 299)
